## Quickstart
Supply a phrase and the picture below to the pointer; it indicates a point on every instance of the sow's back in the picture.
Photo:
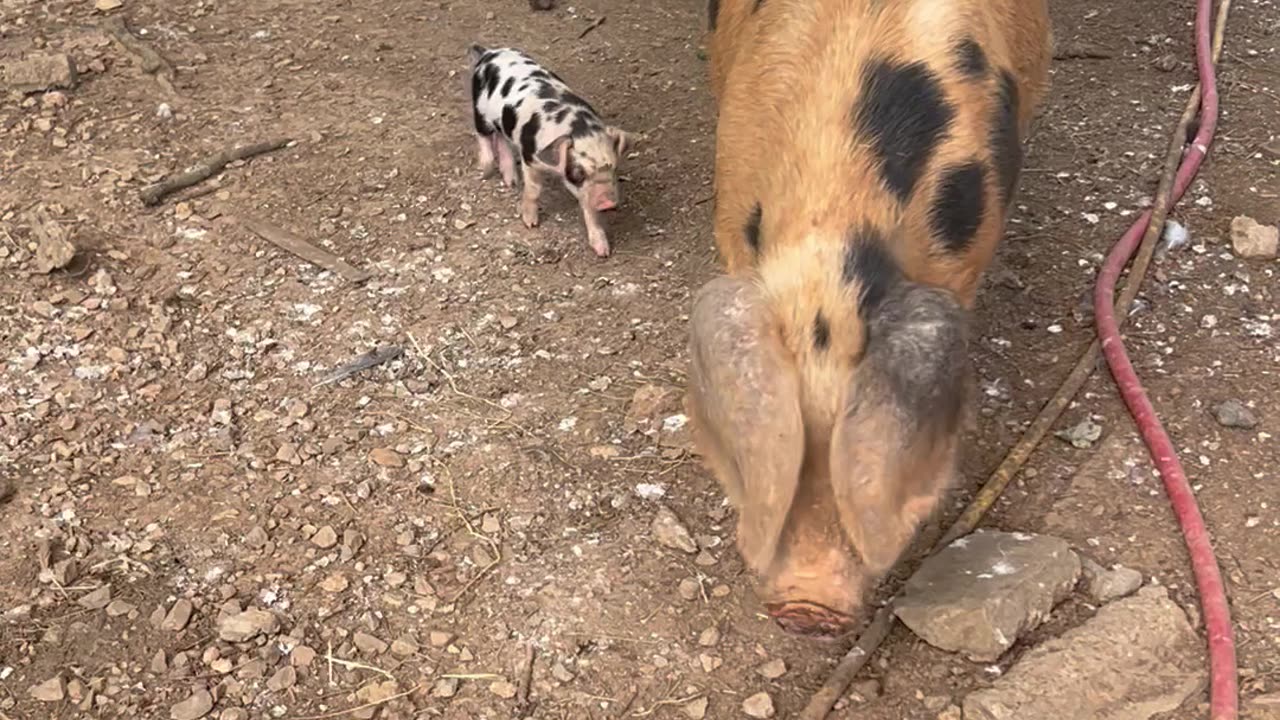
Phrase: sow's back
(867, 152)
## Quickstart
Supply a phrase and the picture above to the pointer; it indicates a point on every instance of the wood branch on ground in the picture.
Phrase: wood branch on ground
(207, 168)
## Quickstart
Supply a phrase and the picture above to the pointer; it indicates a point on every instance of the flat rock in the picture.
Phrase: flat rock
(368, 644)
(1105, 585)
(96, 599)
(445, 688)
(178, 616)
(773, 669)
(1136, 658)
(503, 689)
(40, 72)
(671, 533)
(325, 538)
(983, 591)
(759, 705)
(199, 704)
(285, 678)
(1251, 239)
(247, 625)
(52, 690)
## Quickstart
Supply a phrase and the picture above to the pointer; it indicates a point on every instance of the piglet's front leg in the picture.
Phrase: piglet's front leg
(529, 196)
(506, 162)
(596, 237)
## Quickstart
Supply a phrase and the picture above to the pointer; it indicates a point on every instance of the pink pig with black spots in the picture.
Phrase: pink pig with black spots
(522, 110)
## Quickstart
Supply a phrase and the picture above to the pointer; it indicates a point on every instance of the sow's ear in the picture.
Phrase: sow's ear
(744, 404)
(893, 449)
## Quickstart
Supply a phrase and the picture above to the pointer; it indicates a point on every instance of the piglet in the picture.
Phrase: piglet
(522, 110)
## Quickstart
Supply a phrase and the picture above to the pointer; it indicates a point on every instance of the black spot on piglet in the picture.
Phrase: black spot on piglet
(508, 121)
(529, 138)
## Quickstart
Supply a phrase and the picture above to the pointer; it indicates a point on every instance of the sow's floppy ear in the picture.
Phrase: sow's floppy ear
(893, 448)
(744, 402)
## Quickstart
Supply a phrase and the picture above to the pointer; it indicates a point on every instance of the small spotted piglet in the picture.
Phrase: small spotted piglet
(522, 108)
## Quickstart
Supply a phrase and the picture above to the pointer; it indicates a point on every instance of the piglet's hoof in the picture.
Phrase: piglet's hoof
(601, 247)
(811, 619)
(529, 214)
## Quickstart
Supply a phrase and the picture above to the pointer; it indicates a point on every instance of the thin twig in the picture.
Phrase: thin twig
(366, 706)
(826, 696)
(597, 23)
(353, 665)
(207, 168)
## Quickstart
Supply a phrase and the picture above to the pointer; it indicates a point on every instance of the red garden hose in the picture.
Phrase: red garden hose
(1223, 693)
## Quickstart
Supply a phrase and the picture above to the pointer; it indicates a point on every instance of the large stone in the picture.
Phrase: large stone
(247, 625)
(1136, 658)
(40, 72)
(1252, 239)
(983, 591)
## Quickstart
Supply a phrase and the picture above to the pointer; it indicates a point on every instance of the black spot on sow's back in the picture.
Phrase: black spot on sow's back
(957, 209)
(1006, 146)
(903, 111)
(752, 230)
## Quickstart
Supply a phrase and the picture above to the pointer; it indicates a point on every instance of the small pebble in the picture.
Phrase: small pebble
(1235, 414)
(197, 705)
(325, 538)
(709, 637)
(368, 644)
(671, 533)
(178, 616)
(503, 689)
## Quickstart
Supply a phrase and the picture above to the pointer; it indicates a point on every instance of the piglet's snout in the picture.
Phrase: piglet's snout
(604, 198)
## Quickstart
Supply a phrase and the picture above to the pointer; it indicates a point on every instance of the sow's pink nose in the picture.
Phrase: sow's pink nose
(605, 203)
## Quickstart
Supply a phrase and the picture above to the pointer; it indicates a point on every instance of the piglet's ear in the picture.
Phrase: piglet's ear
(621, 139)
(556, 153)
(744, 405)
(893, 450)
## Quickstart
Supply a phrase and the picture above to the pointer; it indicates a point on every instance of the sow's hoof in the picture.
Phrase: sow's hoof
(805, 618)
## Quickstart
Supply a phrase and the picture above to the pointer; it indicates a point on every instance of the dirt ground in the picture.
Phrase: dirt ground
(415, 528)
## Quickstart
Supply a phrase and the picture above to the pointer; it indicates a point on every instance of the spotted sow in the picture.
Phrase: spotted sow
(867, 153)
(526, 115)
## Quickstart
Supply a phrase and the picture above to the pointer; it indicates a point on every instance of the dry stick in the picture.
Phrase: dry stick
(526, 682)
(207, 168)
(598, 22)
(288, 241)
(853, 661)
(366, 706)
(151, 62)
